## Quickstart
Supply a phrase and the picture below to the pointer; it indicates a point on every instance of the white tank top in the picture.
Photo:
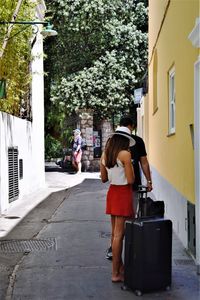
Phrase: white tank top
(116, 175)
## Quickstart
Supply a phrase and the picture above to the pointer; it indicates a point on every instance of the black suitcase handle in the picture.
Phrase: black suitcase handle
(142, 189)
(142, 197)
(146, 207)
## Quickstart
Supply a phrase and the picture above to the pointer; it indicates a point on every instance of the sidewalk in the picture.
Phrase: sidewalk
(55, 181)
(67, 235)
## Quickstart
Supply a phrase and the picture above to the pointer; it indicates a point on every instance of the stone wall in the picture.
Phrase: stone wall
(106, 129)
(89, 163)
(86, 126)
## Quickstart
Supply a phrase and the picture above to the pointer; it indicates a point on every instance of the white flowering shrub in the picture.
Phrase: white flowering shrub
(99, 56)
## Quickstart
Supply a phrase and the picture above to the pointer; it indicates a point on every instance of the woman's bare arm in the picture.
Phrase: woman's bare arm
(103, 171)
(125, 157)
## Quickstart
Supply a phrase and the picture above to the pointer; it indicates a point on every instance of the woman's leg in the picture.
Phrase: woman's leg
(79, 165)
(112, 228)
(78, 161)
(117, 245)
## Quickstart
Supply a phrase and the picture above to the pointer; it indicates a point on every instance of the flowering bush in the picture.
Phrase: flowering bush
(100, 55)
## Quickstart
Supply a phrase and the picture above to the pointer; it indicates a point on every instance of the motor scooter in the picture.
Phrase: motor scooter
(66, 162)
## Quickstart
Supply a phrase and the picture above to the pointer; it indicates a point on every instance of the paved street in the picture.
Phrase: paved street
(57, 251)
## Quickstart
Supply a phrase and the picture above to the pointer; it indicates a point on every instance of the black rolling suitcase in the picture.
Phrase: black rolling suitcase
(147, 255)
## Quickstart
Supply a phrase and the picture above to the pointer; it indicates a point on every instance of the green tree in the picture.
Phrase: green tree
(99, 56)
(14, 63)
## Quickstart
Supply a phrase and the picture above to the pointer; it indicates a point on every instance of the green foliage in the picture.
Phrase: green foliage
(14, 65)
(100, 54)
(67, 137)
(56, 117)
(53, 147)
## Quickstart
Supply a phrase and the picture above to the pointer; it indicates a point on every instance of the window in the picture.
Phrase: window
(172, 103)
(155, 71)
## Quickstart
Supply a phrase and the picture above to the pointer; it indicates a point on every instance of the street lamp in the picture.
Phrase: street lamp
(47, 31)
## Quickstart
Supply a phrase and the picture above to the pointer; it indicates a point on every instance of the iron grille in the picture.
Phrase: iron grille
(13, 178)
(12, 246)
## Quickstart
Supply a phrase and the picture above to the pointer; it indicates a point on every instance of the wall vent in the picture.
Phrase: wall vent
(13, 171)
(20, 168)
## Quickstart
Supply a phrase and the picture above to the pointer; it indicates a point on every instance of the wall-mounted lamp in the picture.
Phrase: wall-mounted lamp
(47, 31)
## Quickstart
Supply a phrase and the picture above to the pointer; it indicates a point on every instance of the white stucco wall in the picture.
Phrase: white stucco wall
(17, 132)
(175, 204)
(28, 136)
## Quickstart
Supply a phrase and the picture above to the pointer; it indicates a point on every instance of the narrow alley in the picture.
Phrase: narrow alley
(57, 252)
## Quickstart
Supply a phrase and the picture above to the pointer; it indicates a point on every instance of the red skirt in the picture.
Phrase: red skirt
(119, 201)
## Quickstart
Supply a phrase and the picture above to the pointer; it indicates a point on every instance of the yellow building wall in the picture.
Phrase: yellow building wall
(173, 156)
(157, 10)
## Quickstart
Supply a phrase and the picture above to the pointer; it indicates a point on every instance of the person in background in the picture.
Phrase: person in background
(140, 162)
(116, 167)
(76, 151)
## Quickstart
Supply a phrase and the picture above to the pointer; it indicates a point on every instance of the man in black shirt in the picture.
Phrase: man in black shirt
(140, 162)
(139, 155)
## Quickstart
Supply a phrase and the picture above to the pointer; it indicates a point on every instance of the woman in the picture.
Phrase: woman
(116, 167)
(76, 151)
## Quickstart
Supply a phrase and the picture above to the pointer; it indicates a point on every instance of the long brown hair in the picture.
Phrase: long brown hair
(114, 145)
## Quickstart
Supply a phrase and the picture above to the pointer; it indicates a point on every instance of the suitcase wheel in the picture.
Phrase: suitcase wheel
(138, 293)
(124, 287)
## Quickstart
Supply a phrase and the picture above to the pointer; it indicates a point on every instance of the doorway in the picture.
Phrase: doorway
(197, 156)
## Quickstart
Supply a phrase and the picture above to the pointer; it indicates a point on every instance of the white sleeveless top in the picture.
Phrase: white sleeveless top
(116, 175)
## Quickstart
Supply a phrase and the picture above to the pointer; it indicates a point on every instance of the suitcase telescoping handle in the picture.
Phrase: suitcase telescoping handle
(142, 189)
(146, 207)
(142, 201)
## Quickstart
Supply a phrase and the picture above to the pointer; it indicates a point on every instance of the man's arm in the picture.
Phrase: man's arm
(146, 170)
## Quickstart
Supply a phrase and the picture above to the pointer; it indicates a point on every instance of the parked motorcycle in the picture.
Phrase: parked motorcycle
(66, 162)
